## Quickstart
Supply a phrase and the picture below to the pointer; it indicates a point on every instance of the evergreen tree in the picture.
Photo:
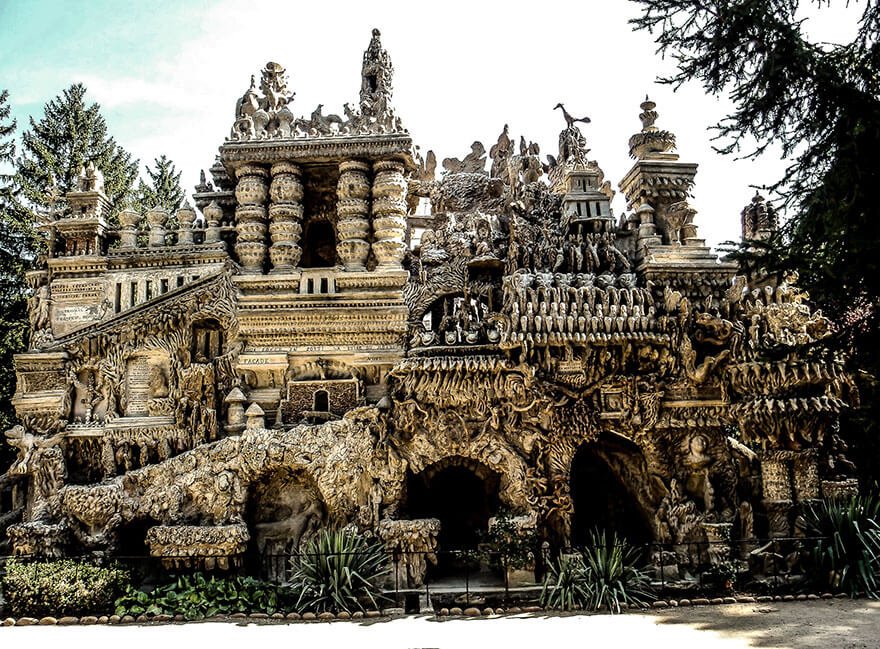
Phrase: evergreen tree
(821, 103)
(17, 251)
(164, 189)
(57, 146)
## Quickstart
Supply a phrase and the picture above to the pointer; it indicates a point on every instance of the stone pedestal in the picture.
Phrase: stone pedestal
(840, 489)
(718, 538)
(285, 216)
(776, 476)
(778, 517)
(389, 213)
(352, 208)
(251, 192)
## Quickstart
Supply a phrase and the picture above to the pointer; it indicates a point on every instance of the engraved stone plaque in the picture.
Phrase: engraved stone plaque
(137, 383)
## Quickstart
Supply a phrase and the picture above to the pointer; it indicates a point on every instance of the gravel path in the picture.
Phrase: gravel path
(831, 624)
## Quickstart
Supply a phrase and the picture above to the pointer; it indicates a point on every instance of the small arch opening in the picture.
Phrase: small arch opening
(321, 401)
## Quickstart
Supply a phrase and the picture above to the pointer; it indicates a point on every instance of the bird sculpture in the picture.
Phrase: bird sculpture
(569, 120)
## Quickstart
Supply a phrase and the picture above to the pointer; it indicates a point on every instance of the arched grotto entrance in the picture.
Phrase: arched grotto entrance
(461, 493)
(602, 498)
(284, 510)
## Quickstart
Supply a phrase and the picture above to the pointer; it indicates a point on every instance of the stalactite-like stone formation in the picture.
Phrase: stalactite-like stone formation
(353, 207)
(251, 193)
(389, 213)
(285, 216)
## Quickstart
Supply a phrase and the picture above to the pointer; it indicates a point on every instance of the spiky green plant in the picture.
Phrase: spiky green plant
(338, 570)
(614, 574)
(605, 576)
(567, 584)
(846, 554)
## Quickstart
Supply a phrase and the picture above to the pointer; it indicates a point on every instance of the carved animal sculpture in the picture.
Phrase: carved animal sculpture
(569, 120)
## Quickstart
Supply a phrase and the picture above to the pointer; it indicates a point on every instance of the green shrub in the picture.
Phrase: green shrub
(338, 571)
(606, 575)
(847, 557)
(61, 587)
(198, 596)
(509, 545)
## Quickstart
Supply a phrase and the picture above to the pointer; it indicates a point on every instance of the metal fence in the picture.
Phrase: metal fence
(445, 578)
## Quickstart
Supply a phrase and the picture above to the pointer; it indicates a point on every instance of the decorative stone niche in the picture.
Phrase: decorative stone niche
(325, 399)
(147, 384)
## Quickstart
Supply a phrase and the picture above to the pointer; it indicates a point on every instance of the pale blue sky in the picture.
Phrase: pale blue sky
(167, 75)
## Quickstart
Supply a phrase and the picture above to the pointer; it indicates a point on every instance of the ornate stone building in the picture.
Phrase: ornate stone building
(314, 345)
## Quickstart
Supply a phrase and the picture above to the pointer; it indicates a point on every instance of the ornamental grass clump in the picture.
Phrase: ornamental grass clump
(338, 570)
(605, 575)
(61, 587)
(845, 553)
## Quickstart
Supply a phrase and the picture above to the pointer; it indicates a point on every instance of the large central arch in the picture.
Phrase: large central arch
(462, 493)
(608, 491)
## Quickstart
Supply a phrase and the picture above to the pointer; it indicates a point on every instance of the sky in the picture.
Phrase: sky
(167, 74)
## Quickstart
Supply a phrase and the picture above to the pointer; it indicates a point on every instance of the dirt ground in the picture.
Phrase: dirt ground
(831, 624)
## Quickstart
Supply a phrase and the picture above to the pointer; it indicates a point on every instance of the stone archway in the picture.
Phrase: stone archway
(284, 509)
(462, 493)
(610, 490)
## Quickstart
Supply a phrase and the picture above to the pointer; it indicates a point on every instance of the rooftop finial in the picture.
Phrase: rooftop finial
(376, 77)
(648, 115)
(572, 143)
(650, 141)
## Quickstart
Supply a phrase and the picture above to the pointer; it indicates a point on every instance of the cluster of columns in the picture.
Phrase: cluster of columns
(281, 187)
(157, 221)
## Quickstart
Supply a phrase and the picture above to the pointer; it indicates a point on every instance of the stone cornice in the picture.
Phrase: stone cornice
(317, 150)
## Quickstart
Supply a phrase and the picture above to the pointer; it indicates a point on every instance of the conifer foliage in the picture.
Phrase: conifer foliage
(70, 134)
(164, 189)
(17, 251)
(820, 103)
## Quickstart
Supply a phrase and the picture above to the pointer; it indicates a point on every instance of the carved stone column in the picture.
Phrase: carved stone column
(157, 218)
(285, 215)
(352, 208)
(389, 213)
(251, 192)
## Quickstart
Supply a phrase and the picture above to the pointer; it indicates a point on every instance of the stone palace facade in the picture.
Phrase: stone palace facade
(337, 334)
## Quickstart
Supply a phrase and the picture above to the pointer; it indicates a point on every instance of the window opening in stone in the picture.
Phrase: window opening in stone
(319, 250)
(322, 401)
